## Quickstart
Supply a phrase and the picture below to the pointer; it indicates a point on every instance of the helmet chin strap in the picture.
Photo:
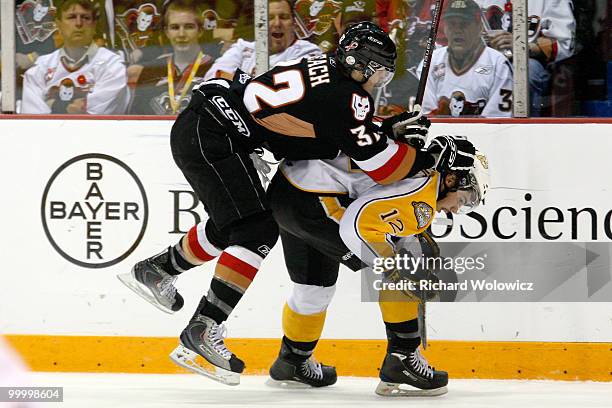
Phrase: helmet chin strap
(363, 81)
(444, 190)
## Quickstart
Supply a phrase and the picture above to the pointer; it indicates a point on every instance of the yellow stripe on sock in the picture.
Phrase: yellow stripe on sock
(299, 327)
(396, 308)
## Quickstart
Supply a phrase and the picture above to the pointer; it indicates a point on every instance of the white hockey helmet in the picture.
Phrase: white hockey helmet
(476, 181)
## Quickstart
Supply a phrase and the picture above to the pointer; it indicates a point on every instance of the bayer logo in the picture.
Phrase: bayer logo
(94, 210)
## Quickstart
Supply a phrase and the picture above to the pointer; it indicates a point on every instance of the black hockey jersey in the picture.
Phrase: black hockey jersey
(308, 109)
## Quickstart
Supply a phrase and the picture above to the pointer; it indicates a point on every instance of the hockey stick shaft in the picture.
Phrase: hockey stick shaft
(429, 49)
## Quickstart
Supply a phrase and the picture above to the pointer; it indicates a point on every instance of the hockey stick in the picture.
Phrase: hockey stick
(429, 49)
(430, 250)
(417, 109)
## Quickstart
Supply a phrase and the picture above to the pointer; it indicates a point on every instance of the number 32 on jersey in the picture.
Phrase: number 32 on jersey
(363, 138)
(290, 88)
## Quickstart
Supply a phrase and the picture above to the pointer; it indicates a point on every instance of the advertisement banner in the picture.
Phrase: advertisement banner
(84, 200)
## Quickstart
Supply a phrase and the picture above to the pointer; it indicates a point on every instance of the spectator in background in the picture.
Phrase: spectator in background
(551, 30)
(467, 77)
(283, 45)
(36, 29)
(80, 77)
(163, 86)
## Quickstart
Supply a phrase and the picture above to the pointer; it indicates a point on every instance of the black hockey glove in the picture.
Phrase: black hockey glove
(452, 153)
(408, 127)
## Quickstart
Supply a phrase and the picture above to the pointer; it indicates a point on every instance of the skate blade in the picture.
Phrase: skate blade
(287, 384)
(186, 358)
(141, 290)
(393, 390)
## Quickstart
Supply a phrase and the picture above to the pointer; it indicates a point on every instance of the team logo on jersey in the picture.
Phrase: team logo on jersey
(484, 70)
(360, 106)
(243, 78)
(483, 160)
(231, 115)
(66, 91)
(94, 210)
(423, 213)
(458, 105)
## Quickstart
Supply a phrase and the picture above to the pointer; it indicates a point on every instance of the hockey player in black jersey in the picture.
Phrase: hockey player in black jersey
(308, 109)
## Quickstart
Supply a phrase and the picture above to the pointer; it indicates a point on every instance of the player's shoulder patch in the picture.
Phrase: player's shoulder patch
(484, 70)
(361, 106)
(423, 213)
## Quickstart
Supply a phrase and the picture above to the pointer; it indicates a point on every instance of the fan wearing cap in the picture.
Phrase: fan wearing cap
(467, 78)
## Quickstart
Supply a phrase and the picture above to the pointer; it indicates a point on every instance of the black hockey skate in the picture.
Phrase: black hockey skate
(204, 337)
(409, 375)
(295, 371)
(151, 282)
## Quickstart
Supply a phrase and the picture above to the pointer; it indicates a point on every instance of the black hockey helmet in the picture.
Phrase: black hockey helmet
(366, 48)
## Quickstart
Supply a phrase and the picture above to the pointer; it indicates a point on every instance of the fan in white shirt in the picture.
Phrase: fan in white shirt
(467, 77)
(283, 45)
(96, 75)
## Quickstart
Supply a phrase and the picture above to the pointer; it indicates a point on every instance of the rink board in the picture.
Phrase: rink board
(357, 358)
(62, 257)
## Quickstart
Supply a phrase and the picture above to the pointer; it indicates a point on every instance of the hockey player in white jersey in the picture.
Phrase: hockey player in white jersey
(96, 75)
(283, 45)
(467, 78)
(551, 29)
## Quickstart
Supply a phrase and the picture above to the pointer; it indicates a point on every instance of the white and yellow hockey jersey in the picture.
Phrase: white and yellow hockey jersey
(414, 199)
(335, 176)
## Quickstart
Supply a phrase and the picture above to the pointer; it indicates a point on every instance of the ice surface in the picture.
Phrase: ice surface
(186, 391)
